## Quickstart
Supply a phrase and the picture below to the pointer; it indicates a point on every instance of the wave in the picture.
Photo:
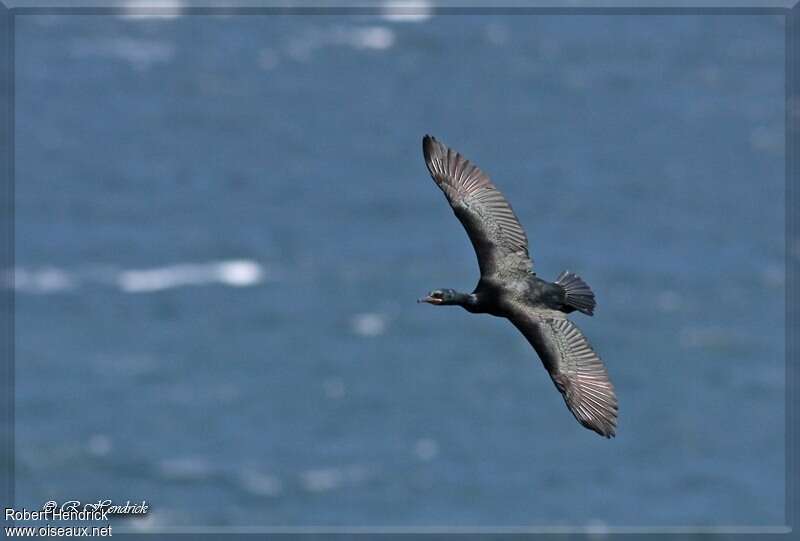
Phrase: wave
(415, 12)
(301, 48)
(44, 280)
(326, 479)
(368, 324)
(231, 273)
(238, 273)
(148, 9)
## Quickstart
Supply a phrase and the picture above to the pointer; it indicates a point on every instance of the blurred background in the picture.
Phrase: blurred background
(223, 223)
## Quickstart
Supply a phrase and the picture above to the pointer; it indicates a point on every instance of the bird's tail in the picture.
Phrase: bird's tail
(577, 292)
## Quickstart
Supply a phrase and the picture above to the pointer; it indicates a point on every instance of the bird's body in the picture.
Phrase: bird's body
(503, 298)
(509, 288)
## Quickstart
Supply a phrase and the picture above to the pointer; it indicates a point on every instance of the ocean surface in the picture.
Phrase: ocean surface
(223, 224)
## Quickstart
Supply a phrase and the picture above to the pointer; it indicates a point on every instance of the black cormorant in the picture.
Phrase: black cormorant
(509, 288)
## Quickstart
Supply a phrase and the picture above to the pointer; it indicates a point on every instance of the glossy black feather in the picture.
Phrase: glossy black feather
(577, 293)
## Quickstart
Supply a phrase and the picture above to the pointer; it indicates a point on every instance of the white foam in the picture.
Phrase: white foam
(372, 37)
(321, 480)
(407, 12)
(597, 528)
(237, 273)
(148, 522)
(326, 479)
(44, 280)
(368, 324)
(301, 47)
(152, 9)
(185, 469)
(426, 449)
(99, 445)
(260, 484)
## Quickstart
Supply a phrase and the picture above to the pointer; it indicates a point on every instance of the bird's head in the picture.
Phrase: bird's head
(440, 296)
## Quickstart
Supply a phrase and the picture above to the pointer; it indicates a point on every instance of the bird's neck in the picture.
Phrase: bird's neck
(467, 300)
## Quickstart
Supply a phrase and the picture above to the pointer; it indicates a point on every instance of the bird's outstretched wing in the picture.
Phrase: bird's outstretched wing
(496, 234)
(575, 368)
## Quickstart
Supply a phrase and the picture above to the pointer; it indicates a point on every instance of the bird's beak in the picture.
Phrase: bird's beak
(430, 300)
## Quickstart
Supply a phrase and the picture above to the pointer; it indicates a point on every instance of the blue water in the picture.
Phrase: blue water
(223, 223)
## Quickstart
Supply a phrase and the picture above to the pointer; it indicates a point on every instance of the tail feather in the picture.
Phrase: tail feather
(577, 292)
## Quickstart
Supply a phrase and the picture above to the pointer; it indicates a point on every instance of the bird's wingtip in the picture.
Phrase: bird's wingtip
(429, 146)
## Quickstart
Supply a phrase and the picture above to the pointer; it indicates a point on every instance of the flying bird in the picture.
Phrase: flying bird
(509, 288)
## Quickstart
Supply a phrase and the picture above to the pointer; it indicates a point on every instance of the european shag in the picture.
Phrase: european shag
(509, 288)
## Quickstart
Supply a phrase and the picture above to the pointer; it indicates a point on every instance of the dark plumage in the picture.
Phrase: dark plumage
(509, 288)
